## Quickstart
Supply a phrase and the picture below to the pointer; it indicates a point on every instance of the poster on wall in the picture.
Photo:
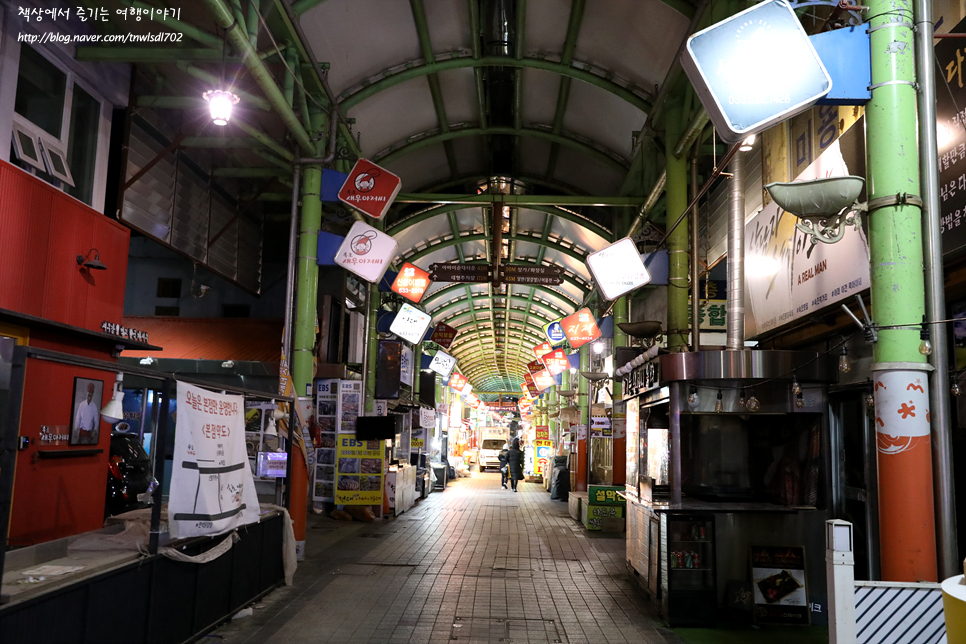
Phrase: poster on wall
(350, 405)
(544, 452)
(85, 428)
(786, 278)
(212, 490)
(324, 440)
(778, 584)
(359, 471)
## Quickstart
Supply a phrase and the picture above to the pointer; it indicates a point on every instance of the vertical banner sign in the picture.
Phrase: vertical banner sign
(324, 440)
(778, 584)
(370, 189)
(544, 448)
(543, 433)
(212, 490)
(360, 471)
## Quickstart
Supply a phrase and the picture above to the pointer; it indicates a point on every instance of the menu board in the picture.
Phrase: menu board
(324, 439)
(360, 471)
(778, 583)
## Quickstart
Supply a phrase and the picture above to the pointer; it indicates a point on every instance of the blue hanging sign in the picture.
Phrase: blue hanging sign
(555, 333)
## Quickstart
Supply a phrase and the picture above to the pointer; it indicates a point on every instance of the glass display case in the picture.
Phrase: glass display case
(691, 584)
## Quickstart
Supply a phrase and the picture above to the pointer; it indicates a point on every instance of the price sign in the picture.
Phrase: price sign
(410, 323)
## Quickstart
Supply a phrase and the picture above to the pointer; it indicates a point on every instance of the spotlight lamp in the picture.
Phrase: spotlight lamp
(824, 207)
(747, 144)
(220, 103)
(93, 264)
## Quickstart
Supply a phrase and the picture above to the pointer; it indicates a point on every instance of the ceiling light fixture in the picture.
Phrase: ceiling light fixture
(113, 411)
(747, 144)
(220, 103)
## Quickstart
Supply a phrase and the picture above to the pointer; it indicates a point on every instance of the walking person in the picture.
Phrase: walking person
(504, 472)
(515, 462)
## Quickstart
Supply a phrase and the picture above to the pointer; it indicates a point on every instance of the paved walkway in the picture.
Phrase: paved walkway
(472, 564)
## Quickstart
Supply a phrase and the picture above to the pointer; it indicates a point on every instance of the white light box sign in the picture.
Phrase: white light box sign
(410, 324)
(755, 69)
(442, 364)
(366, 252)
(618, 268)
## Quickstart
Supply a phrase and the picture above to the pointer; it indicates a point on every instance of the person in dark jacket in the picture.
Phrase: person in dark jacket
(503, 465)
(515, 461)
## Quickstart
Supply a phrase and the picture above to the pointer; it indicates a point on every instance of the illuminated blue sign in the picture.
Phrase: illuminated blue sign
(555, 333)
(755, 69)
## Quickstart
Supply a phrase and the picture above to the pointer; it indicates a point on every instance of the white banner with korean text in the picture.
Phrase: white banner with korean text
(212, 490)
(785, 277)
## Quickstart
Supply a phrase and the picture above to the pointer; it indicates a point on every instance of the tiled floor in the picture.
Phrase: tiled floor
(472, 564)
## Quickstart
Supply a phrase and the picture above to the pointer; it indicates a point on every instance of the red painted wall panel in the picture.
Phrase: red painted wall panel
(55, 498)
(42, 231)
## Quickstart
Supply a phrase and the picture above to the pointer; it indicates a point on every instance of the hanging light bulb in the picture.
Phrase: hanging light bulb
(844, 365)
(925, 345)
(954, 390)
(752, 403)
(870, 400)
(693, 399)
(220, 103)
(741, 400)
(718, 403)
(598, 347)
(800, 400)
(796, 388)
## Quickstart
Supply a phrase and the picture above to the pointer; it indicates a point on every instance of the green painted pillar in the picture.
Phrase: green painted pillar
(306, 304)
(906, 514)
(288, 87)
(620, 340)
(417, 359)
(676, 188)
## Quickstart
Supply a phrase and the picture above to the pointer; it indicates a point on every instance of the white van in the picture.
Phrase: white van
(493, 440)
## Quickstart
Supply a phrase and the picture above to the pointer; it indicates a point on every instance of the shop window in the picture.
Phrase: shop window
(85, 115)
(236, 310)
(167, 311)
(41, 89)
(55, 132)
(169, 287)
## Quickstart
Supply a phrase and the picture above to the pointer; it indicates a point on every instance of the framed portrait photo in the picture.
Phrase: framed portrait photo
(85, 421)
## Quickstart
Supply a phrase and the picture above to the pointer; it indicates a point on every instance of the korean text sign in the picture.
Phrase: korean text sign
(370, 189)
(366, 252)
(411, 282)
(410, 323)
(359, 472)
(212, 490)
(581, 328)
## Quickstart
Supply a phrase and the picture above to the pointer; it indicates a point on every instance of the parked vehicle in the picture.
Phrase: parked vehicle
(493, 439)
(129, 479)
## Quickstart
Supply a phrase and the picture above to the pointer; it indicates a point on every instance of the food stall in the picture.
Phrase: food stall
(728, 456)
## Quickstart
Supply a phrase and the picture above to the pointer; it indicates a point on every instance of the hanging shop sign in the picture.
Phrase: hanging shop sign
(443, 335)
(410, 323)
(556, 361)
(472, 400)
(778, 584)
(543, 275)
(542, 433)
(531, 385)
(406, 370)
(740, 69)
(442, 363)
(367, 252)
(618, 268)
(370, 189)
(535, 366)
(466, 390)
(123, 331)
(541, 349)
(212, 490)
(543, 380)
(451, 272)
(555, 333)
(785, 277)
(411, 282)
(427, 417)
(359, 471)
(581, 328)
(457, 382)
(544, 452)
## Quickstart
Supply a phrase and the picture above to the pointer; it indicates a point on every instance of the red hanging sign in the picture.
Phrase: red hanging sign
(556, 361)
(581, 328)
(531, 385)
(535, 366)
(543, 433)
(541, 349)
(543, 380)
(443, 335)
(411, 283)
(457, 382)
(370, 189)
